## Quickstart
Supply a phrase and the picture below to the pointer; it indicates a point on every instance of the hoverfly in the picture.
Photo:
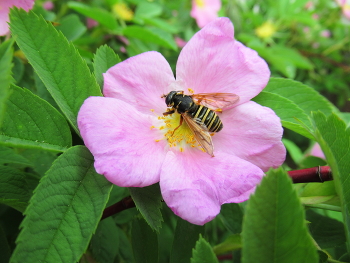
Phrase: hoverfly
(198, 110)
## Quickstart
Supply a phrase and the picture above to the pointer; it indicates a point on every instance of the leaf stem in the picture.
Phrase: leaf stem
(122, 205)
(317, 174)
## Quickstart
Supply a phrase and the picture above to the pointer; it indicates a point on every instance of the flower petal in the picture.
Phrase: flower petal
(212, 61)
(253, 133)
(194, 185)
(140, 80)
(121, 141)
(5, 9)
(205, 12)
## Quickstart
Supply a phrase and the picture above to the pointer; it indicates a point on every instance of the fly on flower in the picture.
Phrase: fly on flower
(198, 111)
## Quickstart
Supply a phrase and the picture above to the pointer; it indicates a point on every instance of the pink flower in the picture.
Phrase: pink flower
(180, 42)
(48, 5)
(90, 23)
(325, 33)
(205, 11)
(5, 6)
(131, 139)
(317, 151)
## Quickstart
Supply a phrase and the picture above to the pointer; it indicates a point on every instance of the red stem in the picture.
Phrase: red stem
(318, 174)
(124, 204)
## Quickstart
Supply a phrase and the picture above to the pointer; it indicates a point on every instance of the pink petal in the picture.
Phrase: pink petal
(194, 185)
(121, 141)
(5, 9)
(140, 80)
(212, 61)
(253, 133)
(317, 151)
(206, 13)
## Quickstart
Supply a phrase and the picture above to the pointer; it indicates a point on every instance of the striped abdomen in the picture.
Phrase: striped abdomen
(208, 117)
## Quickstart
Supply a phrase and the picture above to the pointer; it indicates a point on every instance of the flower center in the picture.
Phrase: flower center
(179, 137)
(200, 3)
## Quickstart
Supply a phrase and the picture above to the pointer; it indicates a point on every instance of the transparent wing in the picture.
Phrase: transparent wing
(215, 101)
(201, 134)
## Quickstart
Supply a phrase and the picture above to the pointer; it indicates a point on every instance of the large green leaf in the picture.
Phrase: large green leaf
(152, 35)
(14, 190)
(144, 242)
(5, 250)
(105, 242)
(31, 122)
(64, 210)
(104, 58)
(148, 202)
(291, 102)
(102, 16)
(203, 253)
(71, 27)
(6, 54)
(232, 217)
(186, 235)
(334, 139)
(57, 62)
(274, 227)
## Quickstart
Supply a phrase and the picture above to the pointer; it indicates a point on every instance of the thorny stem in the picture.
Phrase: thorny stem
(318, 174)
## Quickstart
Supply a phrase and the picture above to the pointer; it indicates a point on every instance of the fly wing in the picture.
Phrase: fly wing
(201, 134)
(215, 101)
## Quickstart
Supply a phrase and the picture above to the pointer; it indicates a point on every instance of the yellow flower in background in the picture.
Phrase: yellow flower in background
(123, 11)
(266, 30)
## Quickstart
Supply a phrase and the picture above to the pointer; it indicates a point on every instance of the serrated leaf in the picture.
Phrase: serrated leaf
(14, 190)
(203, 253)
(289, 112)
(71, 27)
(185, 237)
(102, 16)
(7, 155)
(105, 242)
(152, 35)
(148, 202)
(104, 59)
(232, 217)
(64, 210)
(57, 62)
(231, 243)
(144, 242)
(274, 227)
(334, 139)
(300, 94)
(6, 54)
(326, 231)
(31, 122)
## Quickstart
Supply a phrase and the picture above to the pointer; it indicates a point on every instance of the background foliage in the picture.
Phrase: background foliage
(51, 197)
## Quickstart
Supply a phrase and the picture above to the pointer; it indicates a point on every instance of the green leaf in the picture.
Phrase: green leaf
(104, 59)
(203, 253)
(5, 250)
(6, 54)
(144, 242)
(64, 210)
(148, 202)
(231, 243)
(71, 27)
(31, 122)
(147, 10)
(232, 217)
(102, 16)
(7, 155)
(57, 62)
(185, 237)
(105, 242)
(152, 35)
(274, 227)
(326, 231)
(289, 112)
(294, 151)
(125, 249)
(300, 94)
(14, 190)
(334, 139)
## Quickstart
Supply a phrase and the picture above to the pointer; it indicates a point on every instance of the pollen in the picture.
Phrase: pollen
(191, 91)
(178, 136)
